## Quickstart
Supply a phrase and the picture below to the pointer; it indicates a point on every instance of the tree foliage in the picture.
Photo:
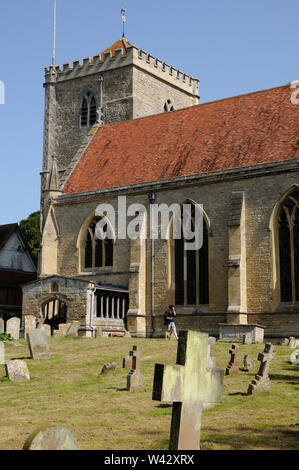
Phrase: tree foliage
(30, 228)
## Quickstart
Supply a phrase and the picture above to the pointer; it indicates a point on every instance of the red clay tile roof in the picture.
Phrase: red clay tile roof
(246, 130)
(120, 44)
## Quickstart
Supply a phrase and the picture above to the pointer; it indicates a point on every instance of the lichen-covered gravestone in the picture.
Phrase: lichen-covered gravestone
(135, 378)
(13, 327)
(108, 368)
(262, 382)
(73, 329)
(248, 363)
(233, 366)
(30, 323)
(189, 385)
(17, 370)
(294, 359)
(38, 344)
(51, 438)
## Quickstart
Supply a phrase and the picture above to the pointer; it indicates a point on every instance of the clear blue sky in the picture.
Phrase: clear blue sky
(232, 46)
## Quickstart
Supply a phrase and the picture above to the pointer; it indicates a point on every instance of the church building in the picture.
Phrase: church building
(124, 129)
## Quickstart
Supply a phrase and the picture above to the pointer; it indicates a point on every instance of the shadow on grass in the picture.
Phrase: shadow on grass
(164, 405)
(19, 358)
(246, 438)
(242, 394)
(291, 379)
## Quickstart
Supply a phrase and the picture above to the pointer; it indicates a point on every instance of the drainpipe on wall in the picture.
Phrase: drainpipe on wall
(91, 312)
(152, 198)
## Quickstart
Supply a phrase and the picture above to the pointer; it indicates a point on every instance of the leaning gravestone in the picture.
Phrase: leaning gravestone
(135, 378)
(73, 329)
(189, 385)
(233, 366)
(52, 438)
(108, 368)
(30, 323)
(13, 327)
(295, 357)
(38, 344)
(17, 370)
(248, 363)
(262, 382)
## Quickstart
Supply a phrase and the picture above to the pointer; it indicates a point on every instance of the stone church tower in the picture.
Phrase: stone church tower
(134, 85)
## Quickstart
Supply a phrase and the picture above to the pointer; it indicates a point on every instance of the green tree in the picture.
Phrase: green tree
(30, 228)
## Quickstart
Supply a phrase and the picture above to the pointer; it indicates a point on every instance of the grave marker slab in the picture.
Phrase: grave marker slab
(248, 363)
(108, 368)
(2, 353)
(233, 366)
(189, 385)
(295, 357)
(1, 325)
(13, 327)
(262, 382)
(46, 329)
(30, 323)
(52, 438)
(17, 370)
(38, 344)
(73, 329)
(128, 360)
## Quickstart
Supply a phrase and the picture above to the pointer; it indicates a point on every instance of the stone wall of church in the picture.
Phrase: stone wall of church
(261, 195)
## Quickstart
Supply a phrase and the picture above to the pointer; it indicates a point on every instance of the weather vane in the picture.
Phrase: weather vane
(123, 16)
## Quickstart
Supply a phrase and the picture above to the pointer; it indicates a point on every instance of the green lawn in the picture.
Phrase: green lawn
(67, 390)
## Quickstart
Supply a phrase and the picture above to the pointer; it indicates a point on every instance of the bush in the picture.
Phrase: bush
(6, 337)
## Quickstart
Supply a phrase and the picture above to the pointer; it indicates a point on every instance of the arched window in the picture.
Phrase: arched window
(98, 252)
(88, 110)
(288, 235)
(191, 268)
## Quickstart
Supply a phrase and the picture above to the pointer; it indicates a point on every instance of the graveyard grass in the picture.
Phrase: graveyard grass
(68, 390)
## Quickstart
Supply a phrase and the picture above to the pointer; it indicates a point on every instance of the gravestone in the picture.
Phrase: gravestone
(17, 370)
(248, 363)
(38, 344)
(295, 357)
(248, 337)
(189, 385)
(45, 328)
(233, 366)
(51, 438)
(13, 327)
(30, 323)
(128, 360)
(135, 378)
(62, 329)
(108, 368)
(262, 382)
(73, 329)
(2, 353)
(1, 325)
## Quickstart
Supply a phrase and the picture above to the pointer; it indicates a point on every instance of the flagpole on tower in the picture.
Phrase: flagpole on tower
(54, 42)
(123, 16)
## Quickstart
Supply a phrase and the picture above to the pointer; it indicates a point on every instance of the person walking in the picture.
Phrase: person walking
(169, 316)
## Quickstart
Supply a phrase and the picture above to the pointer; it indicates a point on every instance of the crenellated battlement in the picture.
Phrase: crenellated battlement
(121, 58)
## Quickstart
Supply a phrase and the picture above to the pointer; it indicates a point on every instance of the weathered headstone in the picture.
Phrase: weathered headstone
(233, 366)
(2, 353)
(262, 382)
(292, 342)
(135, 378)
(1, 325)
(30, 323)
(17, 370)
(295, 357)
(108, 368)
(189, 385)
(13, 327)
(73, 329)
(284, 342)
(128, 360)
(62, 329)
(51, 438)
(248, 337)
(38, 344)
(248, 363)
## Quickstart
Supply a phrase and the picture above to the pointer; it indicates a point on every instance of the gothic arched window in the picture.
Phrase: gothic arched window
(88, 110)
(288, 234)
(98, 252)
(191, 269)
